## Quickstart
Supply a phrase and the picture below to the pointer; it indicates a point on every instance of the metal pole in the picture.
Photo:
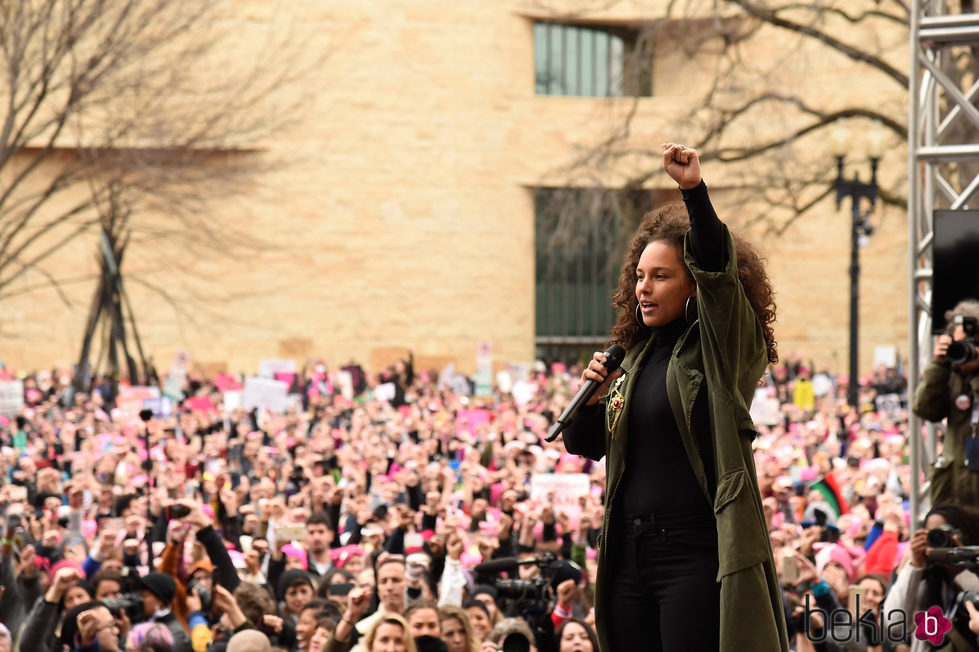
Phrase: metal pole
(853, 393)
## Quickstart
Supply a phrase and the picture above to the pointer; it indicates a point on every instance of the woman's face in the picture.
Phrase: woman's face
(389, 637)
(454, 635)
(490, 603)
(318, 640)
(480, 622)
(75, 596)
(935, 521)
(574, 638)
(663, 284)
(297, 596)
(874, 593)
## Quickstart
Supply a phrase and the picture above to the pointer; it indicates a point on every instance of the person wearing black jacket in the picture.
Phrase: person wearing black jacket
(158, 591)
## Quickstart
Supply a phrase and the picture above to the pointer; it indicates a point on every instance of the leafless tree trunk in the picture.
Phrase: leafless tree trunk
(125, 119)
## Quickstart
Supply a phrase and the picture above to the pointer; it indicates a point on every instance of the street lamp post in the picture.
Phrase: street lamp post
(860, 230)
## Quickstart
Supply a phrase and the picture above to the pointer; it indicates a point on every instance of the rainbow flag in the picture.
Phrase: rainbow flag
(831, 493)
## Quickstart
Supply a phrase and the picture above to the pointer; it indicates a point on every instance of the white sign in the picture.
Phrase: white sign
(765, 410)
(268, 368)
(885, 355)
(566, 487)
(524, 391)
(889, 405)
(11, 398)
(265, 394)
(174, 385)
(484, 369)
(232, 401)
(385, 392)
(345, 381)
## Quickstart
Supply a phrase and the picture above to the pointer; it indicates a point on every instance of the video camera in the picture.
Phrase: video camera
(130, 603)
(964, 350)
(530, 597)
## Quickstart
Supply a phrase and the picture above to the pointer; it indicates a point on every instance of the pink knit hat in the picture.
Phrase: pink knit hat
(66, 563)
(295, 552)
(846, 556)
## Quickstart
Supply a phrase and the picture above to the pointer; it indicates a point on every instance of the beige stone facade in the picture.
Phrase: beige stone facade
(398, 213)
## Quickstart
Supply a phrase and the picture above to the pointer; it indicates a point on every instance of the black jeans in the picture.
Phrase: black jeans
(663, 596)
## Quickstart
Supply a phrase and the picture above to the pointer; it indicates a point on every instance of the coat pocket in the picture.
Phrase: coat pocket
(742, 541)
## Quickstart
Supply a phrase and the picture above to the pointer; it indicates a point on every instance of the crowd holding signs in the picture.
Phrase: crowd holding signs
(298, 495)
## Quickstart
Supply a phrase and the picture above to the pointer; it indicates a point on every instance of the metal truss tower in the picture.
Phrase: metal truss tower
(943, 160)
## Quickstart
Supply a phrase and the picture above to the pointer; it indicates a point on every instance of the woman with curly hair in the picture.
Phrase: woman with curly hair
(684, 560)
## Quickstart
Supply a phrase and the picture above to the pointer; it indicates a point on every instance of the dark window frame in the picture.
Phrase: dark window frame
(626, 74)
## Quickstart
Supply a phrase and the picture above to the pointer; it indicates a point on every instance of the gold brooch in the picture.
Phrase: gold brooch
(615, 404)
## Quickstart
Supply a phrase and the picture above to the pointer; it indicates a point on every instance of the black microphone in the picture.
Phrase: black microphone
(502, 565)
(614, 357)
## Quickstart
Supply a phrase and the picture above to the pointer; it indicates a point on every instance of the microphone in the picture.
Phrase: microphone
(503, 565)
(614, 356)
(953, 556)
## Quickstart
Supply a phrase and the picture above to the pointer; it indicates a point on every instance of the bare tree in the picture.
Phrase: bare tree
(751, 84)
(123, 120)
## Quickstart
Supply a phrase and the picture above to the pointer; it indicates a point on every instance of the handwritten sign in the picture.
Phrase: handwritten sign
(566, 487)
(11, 398)
(265, 394)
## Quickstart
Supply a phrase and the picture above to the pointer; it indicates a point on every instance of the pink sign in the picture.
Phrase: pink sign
(200, 404)
(470, 420)
(227, 383)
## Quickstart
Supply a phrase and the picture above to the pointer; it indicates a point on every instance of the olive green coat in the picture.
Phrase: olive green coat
(724, 355)
(934, 400)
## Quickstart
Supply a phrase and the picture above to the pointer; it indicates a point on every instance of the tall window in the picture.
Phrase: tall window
(591, 60)
(580, 244)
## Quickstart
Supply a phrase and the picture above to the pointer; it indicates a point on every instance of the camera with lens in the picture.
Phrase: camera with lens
(942, 536)
(198, 589)
(515, 642)
(529, 597)
(297, 479)
(130, 603)
(964, 350)
(967, 596)
(517, 589)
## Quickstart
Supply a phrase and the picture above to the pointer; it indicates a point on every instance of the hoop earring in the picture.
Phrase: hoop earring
(686, 311)
(639, 317)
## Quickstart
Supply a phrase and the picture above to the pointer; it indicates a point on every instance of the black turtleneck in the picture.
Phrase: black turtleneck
(658, 477)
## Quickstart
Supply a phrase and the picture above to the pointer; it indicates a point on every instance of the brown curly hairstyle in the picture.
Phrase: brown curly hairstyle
(670, 224)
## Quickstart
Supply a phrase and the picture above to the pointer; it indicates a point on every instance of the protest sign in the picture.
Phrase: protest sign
(131, 399)
(269, 368)
(11, 398)
(765, 410)
(265, 394)
(470, 420)
(174, 385)
(566, 487)
(484, 369)
(385, 392)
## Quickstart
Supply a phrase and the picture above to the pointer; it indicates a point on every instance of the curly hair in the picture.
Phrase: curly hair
(670, 224)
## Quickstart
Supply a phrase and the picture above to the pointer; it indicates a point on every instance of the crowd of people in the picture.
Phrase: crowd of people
(430, 520)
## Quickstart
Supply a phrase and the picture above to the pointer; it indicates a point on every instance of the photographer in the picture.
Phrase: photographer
(950, 389)
(921, 583)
